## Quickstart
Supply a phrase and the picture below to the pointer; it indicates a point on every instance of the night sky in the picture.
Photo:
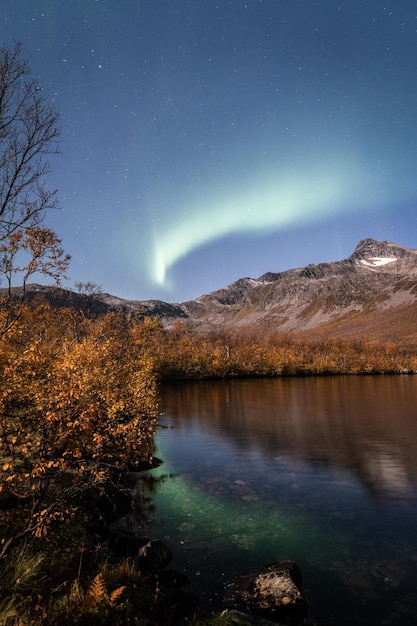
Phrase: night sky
(207, 140)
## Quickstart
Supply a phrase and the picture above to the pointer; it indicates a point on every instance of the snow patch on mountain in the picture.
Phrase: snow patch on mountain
(377, 261)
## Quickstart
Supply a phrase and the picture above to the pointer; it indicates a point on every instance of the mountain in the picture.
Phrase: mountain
(371, 295)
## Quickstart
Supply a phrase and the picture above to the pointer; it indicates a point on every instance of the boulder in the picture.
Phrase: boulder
(154, 556)
(274, 592)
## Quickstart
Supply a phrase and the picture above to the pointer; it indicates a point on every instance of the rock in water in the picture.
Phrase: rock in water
(274, 592)
(154, 556)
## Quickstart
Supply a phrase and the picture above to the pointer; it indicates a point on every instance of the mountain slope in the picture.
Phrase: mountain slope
(370, 295)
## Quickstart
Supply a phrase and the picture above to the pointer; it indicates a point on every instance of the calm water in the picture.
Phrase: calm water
(320, 470)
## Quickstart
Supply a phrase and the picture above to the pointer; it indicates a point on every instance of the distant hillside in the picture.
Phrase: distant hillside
(97, 303)
(371, 295)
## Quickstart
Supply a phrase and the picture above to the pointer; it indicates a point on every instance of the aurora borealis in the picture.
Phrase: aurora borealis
(206, 140)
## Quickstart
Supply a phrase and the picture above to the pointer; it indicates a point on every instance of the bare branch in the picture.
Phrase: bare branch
(29, 134)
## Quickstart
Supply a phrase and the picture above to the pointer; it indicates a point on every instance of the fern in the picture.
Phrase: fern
(97, 589)
(116, 594)
(97, 593)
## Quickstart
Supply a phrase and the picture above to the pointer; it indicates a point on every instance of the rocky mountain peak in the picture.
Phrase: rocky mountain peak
(385, 256)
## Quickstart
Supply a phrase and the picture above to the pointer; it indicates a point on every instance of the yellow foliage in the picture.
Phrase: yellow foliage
(80, 398)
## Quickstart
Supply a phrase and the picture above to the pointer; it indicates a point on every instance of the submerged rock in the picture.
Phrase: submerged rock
(274, 592)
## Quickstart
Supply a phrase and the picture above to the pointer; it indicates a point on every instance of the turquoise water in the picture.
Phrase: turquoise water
(323, 471)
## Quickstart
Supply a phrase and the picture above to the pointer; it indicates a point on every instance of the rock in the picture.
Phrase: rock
(237, 617)
(154, 556)
(274, 592)
(125, 543)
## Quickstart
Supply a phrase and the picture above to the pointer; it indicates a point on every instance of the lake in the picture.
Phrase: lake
(322, 470)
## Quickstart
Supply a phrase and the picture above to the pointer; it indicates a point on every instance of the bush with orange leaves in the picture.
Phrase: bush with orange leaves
(78, 405)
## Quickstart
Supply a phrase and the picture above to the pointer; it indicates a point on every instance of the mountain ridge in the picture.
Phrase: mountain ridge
(370, 295)
(377, 275)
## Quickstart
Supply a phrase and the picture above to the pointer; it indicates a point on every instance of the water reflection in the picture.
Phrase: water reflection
(364, 425)
(320, 470)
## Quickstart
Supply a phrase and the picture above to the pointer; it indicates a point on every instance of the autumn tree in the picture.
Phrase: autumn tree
(29, 134)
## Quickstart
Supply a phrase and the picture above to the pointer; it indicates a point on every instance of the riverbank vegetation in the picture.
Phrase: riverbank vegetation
(185, 354)
(78, 408)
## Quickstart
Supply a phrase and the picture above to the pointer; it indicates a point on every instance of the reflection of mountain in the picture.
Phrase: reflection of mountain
(385, 472)
(365, 425)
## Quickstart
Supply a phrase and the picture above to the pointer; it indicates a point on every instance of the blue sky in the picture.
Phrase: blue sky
(206, 140)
